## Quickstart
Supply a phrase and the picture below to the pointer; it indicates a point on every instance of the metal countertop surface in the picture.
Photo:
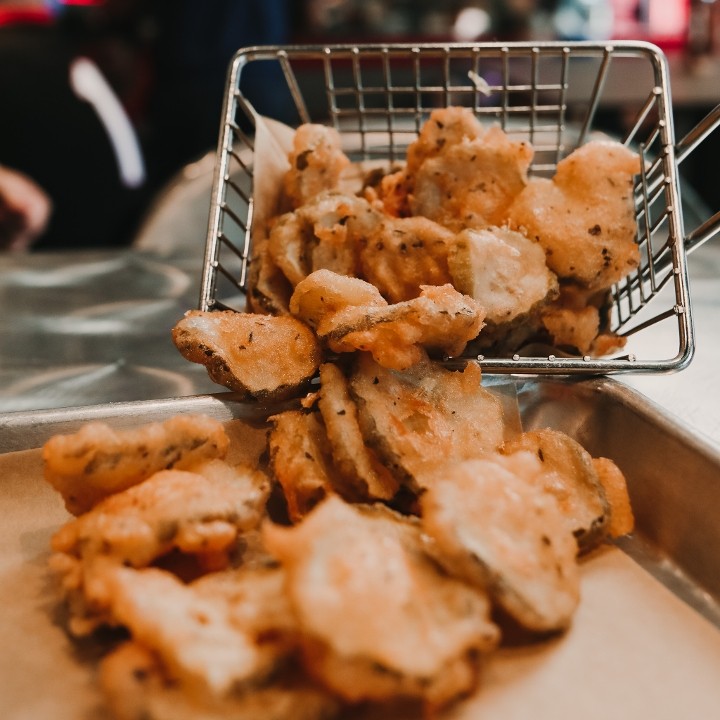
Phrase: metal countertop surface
(693, 395)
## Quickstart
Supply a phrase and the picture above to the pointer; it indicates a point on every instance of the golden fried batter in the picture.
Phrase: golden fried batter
(577, 321)
(573, 328)
(268, 289)
(569, 475)
(137, 687)
(584, 217)
(201, 513)
(288, 246)
(400, 255)
(506, 273)
(426, 416)
(359, 679)
(440, 319)
(496, 528)
(299, 460)
(340, 222)
(362, 585)
(392, 193)
(193, 512)
(445, 126)
(622, 519)
(363, 475)
(192, 633)
(323, 294)
(97, 461)
(458, 173)
(503, 270)
(262, 357)
(256, 601)
(472, 183)
(316, 161)
(324, 233)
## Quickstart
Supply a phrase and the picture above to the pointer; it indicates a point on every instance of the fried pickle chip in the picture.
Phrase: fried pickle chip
(506, 273)
(192, 633)
(622, 519)
(261, 357)
(577, 321)
(268, 289)
(584, 217)
(363, 586)
(568, 473)
(256, 601)
(192, 512)
(399, 255)
(97, 461)
(358, 680)
(339, 222)
(572, 328)
(440, 320)
(319, 297)
(137, 686)
(496, 528)
(325, 233)
(364, 476)
(219, 634)
(316, 163)
(445, 126)
(288, 246)
(299, 460)
(334, 246)
(84, 598)
(425, 416)
(199, 513)
(472, 183)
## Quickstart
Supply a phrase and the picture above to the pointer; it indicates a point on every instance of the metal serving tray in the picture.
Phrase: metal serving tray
(674, 482)
(645, 640)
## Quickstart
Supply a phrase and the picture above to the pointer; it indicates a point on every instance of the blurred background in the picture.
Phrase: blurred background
(105, 101)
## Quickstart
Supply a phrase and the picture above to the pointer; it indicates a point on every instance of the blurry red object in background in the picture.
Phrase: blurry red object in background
(663, 22)
(24, 14)
(13, 16)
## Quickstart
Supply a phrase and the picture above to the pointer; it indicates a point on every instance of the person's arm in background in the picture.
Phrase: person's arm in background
(24, 210)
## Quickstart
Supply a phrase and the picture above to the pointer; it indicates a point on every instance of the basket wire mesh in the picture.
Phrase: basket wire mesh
(556, 95)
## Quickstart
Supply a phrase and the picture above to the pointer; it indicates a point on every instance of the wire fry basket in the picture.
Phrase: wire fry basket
(556, 95)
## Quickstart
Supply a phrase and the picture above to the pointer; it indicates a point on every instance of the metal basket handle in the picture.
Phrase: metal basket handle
(683, 149)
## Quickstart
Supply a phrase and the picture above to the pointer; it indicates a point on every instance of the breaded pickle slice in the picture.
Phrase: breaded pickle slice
(425, 416)
(571, 476)
(498, 529)
(262, 357)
